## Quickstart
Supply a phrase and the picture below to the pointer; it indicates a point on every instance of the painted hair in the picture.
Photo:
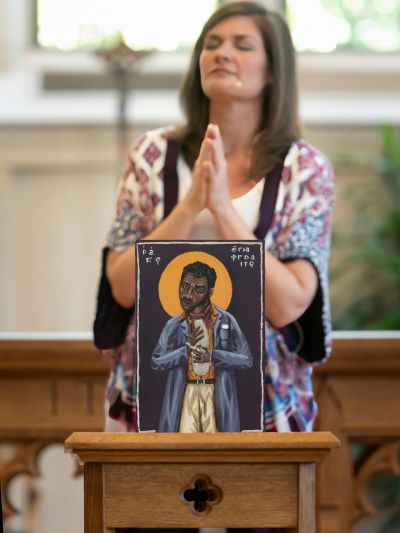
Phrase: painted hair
(199, 270)
(279, 124)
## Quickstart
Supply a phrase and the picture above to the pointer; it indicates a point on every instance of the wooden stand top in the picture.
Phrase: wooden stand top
(202, 447)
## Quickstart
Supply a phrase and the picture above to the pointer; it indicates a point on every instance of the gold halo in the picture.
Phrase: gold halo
(168, 287)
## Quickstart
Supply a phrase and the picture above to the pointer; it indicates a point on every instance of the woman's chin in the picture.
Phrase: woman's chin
(222, 93)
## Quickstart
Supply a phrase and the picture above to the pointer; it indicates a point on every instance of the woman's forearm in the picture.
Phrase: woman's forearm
(120, 266)
(289, 288)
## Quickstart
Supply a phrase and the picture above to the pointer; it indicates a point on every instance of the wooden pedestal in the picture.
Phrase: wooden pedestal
(200, 480)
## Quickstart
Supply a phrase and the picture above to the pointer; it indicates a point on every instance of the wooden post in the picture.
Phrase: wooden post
(307, 498)
(1, 513)
(93, 494)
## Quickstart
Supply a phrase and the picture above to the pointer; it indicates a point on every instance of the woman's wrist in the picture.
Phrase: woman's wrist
(190, 206)
(223, 211)
(230, 223)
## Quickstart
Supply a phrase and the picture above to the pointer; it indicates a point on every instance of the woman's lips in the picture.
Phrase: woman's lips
(222, 71)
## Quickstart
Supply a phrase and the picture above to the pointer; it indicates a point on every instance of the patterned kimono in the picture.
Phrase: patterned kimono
(300, 229)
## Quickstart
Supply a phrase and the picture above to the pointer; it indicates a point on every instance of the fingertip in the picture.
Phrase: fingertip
(212, 129)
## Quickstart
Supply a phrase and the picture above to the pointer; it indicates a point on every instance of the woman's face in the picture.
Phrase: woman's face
(233, 62)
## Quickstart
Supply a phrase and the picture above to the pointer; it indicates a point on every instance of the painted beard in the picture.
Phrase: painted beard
(188, 304)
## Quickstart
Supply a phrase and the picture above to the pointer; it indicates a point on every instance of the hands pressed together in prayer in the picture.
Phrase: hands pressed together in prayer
(210, 183)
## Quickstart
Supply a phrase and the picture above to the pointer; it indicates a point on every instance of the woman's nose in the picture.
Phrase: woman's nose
(224, 53)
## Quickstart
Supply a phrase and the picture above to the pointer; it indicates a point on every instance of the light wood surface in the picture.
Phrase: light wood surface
(242, 442)
(93, 494)
(224, 447)
(307, 497)
(265, 479)
(150, 495)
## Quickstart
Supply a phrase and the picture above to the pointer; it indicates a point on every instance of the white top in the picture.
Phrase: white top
(205, 227)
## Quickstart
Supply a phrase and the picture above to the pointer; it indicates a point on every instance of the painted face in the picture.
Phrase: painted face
(194, 293)
(233, 61)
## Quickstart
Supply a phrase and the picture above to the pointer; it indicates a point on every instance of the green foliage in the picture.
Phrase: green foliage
(372, 24)
(376, 303)
(384, 492)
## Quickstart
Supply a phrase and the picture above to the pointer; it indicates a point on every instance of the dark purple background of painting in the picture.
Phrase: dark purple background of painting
(245, 306)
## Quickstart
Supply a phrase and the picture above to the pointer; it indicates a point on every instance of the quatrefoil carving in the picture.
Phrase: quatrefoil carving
(201, 494)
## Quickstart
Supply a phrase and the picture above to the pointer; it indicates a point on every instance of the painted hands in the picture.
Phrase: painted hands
(200, 354)
(195, 336)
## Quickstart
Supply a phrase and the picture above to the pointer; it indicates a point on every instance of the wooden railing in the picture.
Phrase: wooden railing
(358, 393)
(51, 387)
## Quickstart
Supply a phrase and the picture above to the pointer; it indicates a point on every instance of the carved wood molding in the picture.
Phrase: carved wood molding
(363, 355)
(68, 357)
(386, 459)
(24, 461)
(66, 379)
(57, 357)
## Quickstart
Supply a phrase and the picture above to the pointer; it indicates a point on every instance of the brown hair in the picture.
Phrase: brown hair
(279, 125)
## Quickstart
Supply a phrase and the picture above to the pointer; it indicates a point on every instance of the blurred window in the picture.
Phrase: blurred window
(316, 25)
(157, 24)
(333, 25)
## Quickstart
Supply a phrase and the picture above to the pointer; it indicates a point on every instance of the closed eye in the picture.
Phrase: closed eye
(212, 42)
(241, 42)
(244, 42)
